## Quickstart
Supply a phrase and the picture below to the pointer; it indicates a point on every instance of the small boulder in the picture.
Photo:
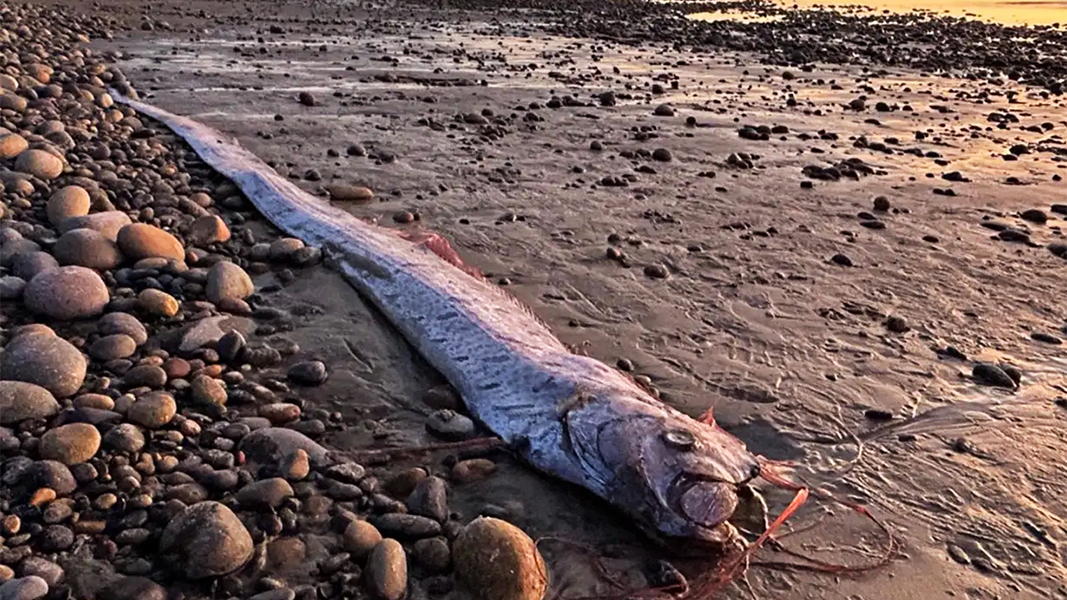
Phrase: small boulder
(153, 410)
(360, 537)
(158, 303)
(108, 223)
(11, 145)
(498, 561)
(341, 192)
(209, 229)
(39, 163)
(125, 323)
(387, 571)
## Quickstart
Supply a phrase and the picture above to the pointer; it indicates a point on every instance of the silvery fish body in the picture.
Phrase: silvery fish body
(567, 415)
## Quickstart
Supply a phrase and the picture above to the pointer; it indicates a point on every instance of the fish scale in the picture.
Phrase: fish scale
(567, 415)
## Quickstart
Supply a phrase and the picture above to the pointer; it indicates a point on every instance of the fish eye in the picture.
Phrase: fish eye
(679, 439)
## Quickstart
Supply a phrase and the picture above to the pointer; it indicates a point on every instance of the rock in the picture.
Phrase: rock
(433, 554)
(107, 223)
(497, 561)
(139, 240)
(841, 259)
(40, 164)
(1047, 338)
(295, 466)
(43, 568)
(993, 375)
(310, 372)
(11, 145)
(1034, 215)
(280, 413)
(158, 303)
(450, 425)
(387, 571)
(219, 330)
(28, 265)
(429, 499)
(67, 293)
(55, 538)
(151, 376)
(124, 323)
(20, 401)
(227, 280)
(656, 271)
(70, 444)
(24, 588)
(132, 588)
(360, 537)
(45, 360)
(306, 99)
(51, 475)
(661, 155)
(125, 437)
(349, 193)
(406, 526)
(896, 324)
(69, 201)
(153, 410)
(283, 249)
(268, 493)
(663, 110)
(209, 229)
(87, 248)
(473, 469)
(111, 347)
(269, 445)
(208, 390)
(207, 540)
(11, 287)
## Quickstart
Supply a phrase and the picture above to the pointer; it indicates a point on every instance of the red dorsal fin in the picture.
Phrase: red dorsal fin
(439, 246)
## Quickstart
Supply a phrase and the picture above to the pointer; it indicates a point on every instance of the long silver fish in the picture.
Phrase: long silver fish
(567, 415)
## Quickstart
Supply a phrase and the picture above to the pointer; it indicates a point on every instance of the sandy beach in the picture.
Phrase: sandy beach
(833, 257)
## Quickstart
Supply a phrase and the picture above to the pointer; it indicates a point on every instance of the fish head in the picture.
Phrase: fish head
(678, 476)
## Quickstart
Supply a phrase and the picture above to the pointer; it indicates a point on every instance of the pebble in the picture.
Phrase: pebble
(268, 493)
(157, 303)
(24, 588)
(387, 571)
(350, 193)
(406, 526)
(146, 375)
(124, 323)
(70, 444)
(87, 248)
(125, 437)
(993, 375)
(43, 568)
(449, 425)
(111, 347)
(69, 201)
(280, 413)
(473, 469)
(208, 390)
(67, 293)
(139, 240)
(207, 540)
(498, 561)
(107, 223)
(28, 265)
(295, 466)
(226, 280)
(841, 259)
(269, 445)
(1047, 338)
(208, 229)
(11, 145)
(283, 249)
(309, 372)
(53, 476)
(45, 360)
(20, 401)
(433, 554)
(656, 271)
(153, 410)
(896, 324)
(429, 499)
(11, 287)
(360, 537)
(39, 163)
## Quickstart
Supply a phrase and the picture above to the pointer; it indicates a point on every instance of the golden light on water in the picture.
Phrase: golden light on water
(1017, 12)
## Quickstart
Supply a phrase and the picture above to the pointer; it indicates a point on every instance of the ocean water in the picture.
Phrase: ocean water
(1016, 12)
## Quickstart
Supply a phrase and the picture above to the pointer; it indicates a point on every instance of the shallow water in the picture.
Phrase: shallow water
(1017, 12)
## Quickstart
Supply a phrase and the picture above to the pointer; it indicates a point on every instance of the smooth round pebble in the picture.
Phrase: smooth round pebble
(69, 201)
(153, 410)
(226, 280)
(140, 240)
(20, 401)
(158, 303)
(45, 360)
(498, 561)
(39, 163)
(207, 540)
(87, 248)
(67, 293)
(70, 444)
(387, 571)
(111, 347)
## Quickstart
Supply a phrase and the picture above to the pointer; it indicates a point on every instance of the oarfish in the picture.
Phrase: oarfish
(569, 416)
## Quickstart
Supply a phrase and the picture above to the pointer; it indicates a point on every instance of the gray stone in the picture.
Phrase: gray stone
(387, 571)
(269, 445)
(120, 322)
(87, 248)
(67, 293)
(211, 329)
(108, 223)
(20, 401)
(11, 287)
(207, 540)
(28, 264)
(45, 360)
(24, 588)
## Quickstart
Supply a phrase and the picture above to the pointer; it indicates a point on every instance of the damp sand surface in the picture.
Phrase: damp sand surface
(754, 319)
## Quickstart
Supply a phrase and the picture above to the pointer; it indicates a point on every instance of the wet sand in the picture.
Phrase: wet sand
(795, 352)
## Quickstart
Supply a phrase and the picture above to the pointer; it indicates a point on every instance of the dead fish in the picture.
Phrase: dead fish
(569, 416)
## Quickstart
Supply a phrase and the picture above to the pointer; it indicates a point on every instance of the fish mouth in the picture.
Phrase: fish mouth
(703, 502)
